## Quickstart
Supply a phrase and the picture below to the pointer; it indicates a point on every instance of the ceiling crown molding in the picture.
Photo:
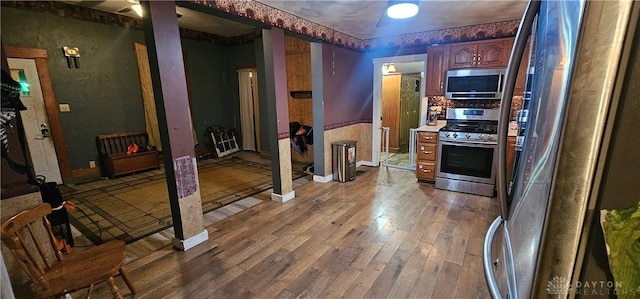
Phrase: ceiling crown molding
(447, 36)
(274, 17)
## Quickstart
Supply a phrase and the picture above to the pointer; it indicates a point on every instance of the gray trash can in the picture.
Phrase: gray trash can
(344, 160)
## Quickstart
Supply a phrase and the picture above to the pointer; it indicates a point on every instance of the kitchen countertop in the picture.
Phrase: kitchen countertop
(442, 123)
(436, 128)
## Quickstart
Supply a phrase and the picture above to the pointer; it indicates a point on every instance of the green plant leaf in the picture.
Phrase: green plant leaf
(622, 236)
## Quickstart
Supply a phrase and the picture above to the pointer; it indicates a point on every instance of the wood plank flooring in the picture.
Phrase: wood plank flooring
(382, 235)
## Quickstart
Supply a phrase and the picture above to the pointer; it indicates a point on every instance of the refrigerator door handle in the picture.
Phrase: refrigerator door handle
(507, 98)
(489, 275)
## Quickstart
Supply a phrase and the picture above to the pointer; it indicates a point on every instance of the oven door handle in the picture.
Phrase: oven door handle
(469, 143)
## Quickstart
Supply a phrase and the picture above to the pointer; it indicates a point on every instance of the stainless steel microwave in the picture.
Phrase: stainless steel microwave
(474, 84)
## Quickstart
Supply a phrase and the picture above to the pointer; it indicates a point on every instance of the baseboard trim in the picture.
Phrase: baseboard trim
(366, 163)
(83, 174)
(323, 179)
(189, 243)
(283, 198)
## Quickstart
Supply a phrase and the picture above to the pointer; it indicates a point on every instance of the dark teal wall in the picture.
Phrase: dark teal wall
(213, 84)
(207, 61)
(104, 93)
(241, 56)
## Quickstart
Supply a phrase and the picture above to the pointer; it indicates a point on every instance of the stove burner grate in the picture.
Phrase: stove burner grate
(471, 127)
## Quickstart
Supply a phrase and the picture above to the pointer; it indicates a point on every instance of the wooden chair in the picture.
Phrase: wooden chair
(53, 273)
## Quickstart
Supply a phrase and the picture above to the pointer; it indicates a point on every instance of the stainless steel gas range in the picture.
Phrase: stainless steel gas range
(467, 151)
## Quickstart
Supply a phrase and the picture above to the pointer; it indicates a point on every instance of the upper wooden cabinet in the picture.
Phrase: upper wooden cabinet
(485, 54)
(463, 55)
(437, 66)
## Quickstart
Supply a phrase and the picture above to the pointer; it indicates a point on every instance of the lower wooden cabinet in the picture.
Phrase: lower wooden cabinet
(426, 171)
(427, 156)
(426, 152)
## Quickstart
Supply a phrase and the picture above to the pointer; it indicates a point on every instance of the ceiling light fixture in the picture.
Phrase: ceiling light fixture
(402, 9)
(388, 68)
(137, 8)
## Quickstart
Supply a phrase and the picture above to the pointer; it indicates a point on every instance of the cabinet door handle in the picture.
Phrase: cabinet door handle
(474, 57)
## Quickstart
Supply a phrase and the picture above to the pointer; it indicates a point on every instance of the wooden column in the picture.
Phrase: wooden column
(172, 104)
(317, 82)
(278, 113)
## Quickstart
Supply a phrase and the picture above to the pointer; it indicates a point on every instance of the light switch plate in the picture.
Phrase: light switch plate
(64, 108)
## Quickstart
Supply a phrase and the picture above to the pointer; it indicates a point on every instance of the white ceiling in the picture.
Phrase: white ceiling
(359, 18)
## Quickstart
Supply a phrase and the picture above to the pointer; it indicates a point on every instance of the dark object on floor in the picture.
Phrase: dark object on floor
(54, 277)
(114, 158)
(301, 136)
(59, 216)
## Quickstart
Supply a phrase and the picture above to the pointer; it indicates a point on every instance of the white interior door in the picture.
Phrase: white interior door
(35, 120)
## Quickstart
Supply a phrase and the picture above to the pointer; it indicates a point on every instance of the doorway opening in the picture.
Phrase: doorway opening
(399, 107)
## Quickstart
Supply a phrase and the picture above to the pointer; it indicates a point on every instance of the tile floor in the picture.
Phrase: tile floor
(164, 238)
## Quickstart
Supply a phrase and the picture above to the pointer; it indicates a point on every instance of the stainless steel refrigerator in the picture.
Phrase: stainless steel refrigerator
(582, 53)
